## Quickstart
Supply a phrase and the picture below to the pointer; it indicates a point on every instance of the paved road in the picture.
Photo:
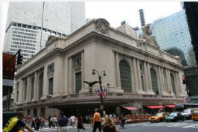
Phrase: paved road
(181, 126)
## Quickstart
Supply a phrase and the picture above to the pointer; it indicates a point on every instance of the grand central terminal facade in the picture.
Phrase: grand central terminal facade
(139, 74)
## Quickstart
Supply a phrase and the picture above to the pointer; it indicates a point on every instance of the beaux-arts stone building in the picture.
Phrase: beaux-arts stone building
(139, 73)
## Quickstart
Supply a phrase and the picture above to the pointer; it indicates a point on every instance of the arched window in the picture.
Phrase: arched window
(173, 84)
(32, 88)
(40, 85)
(154, 81)
(125, 76)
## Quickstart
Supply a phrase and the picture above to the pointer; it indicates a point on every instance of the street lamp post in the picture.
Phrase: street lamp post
(100, 82)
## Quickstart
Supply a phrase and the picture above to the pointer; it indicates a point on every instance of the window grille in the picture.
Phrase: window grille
(32, 89)
(51, 86)
(154, 81)
(78, 82)
(125, 76)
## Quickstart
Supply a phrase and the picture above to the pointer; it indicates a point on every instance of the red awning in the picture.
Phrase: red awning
(156, 107)
(130, 108)
(170, 106)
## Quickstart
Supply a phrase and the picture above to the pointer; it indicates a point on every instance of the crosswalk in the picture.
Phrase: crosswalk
(169, 125)
(47, 129)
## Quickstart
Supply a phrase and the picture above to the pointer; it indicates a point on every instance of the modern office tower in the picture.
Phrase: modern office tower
(142, 17)
(29, 24)
(172, 35)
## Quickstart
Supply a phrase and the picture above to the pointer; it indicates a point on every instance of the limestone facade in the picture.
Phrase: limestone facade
(53, 78)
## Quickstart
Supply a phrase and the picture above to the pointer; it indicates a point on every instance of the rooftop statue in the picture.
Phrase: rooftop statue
(146, 38)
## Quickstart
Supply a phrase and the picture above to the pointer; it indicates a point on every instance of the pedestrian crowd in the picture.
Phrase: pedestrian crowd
(105, 124)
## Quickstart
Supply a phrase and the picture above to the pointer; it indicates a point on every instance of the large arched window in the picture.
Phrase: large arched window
(154, 81)
(32, 88)
(173, 84)
(40, 85)
(125, 76)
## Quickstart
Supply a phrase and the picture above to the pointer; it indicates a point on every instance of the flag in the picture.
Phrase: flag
(105, 93)
(97, 92)
(187, 100)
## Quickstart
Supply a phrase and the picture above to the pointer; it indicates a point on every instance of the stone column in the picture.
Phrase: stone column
(146, 78)
(178, 83)
(21, 91)
(28, 89)
(45, 83)
(139, 76)
(83, 70)
(66, 76)
(164, 80)
(168, 81)
(149, 77)
(35, 98)
(135, 76)
(132, 77)
(118, 71)
(160, 80)
(71, 88)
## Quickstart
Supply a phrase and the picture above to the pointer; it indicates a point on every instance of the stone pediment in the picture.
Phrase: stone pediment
(102, 26)
(50, 40)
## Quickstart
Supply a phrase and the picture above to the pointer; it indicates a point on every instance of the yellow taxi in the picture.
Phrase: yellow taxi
(158, 117)
(194, 114)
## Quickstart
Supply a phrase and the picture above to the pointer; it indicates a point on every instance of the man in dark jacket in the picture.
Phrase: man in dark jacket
(122, 119)
(62, 123)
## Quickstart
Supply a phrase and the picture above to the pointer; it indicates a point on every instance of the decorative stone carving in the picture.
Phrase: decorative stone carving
(77, 62)
(50, 70)
(102, 26)
(146, 38)
(50, 39)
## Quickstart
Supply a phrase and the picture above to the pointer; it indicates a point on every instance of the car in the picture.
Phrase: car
(194, 114)
(187, 113)
(158, 117)
(174, 116)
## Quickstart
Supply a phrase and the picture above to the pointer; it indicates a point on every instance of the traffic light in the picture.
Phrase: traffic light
(183, 80)
(19, 58)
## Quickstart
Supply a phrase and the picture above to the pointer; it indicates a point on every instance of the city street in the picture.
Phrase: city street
(181, 126)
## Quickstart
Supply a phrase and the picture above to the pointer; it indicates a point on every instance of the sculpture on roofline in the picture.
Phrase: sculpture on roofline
(146, 38)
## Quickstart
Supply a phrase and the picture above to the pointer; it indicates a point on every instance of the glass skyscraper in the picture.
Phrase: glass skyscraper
(172, 35)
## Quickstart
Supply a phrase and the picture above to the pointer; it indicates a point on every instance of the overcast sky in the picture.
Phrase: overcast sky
(116, 11)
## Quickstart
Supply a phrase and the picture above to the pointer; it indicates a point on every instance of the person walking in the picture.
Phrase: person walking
(96, 121)
(43, 122)
(80, 126)
(15, 124)
(49, 123)
(38, 122)
(72, 120)
(109, 126)
(122, 119)
(62, 123)
(33, 123)
(55, 121)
